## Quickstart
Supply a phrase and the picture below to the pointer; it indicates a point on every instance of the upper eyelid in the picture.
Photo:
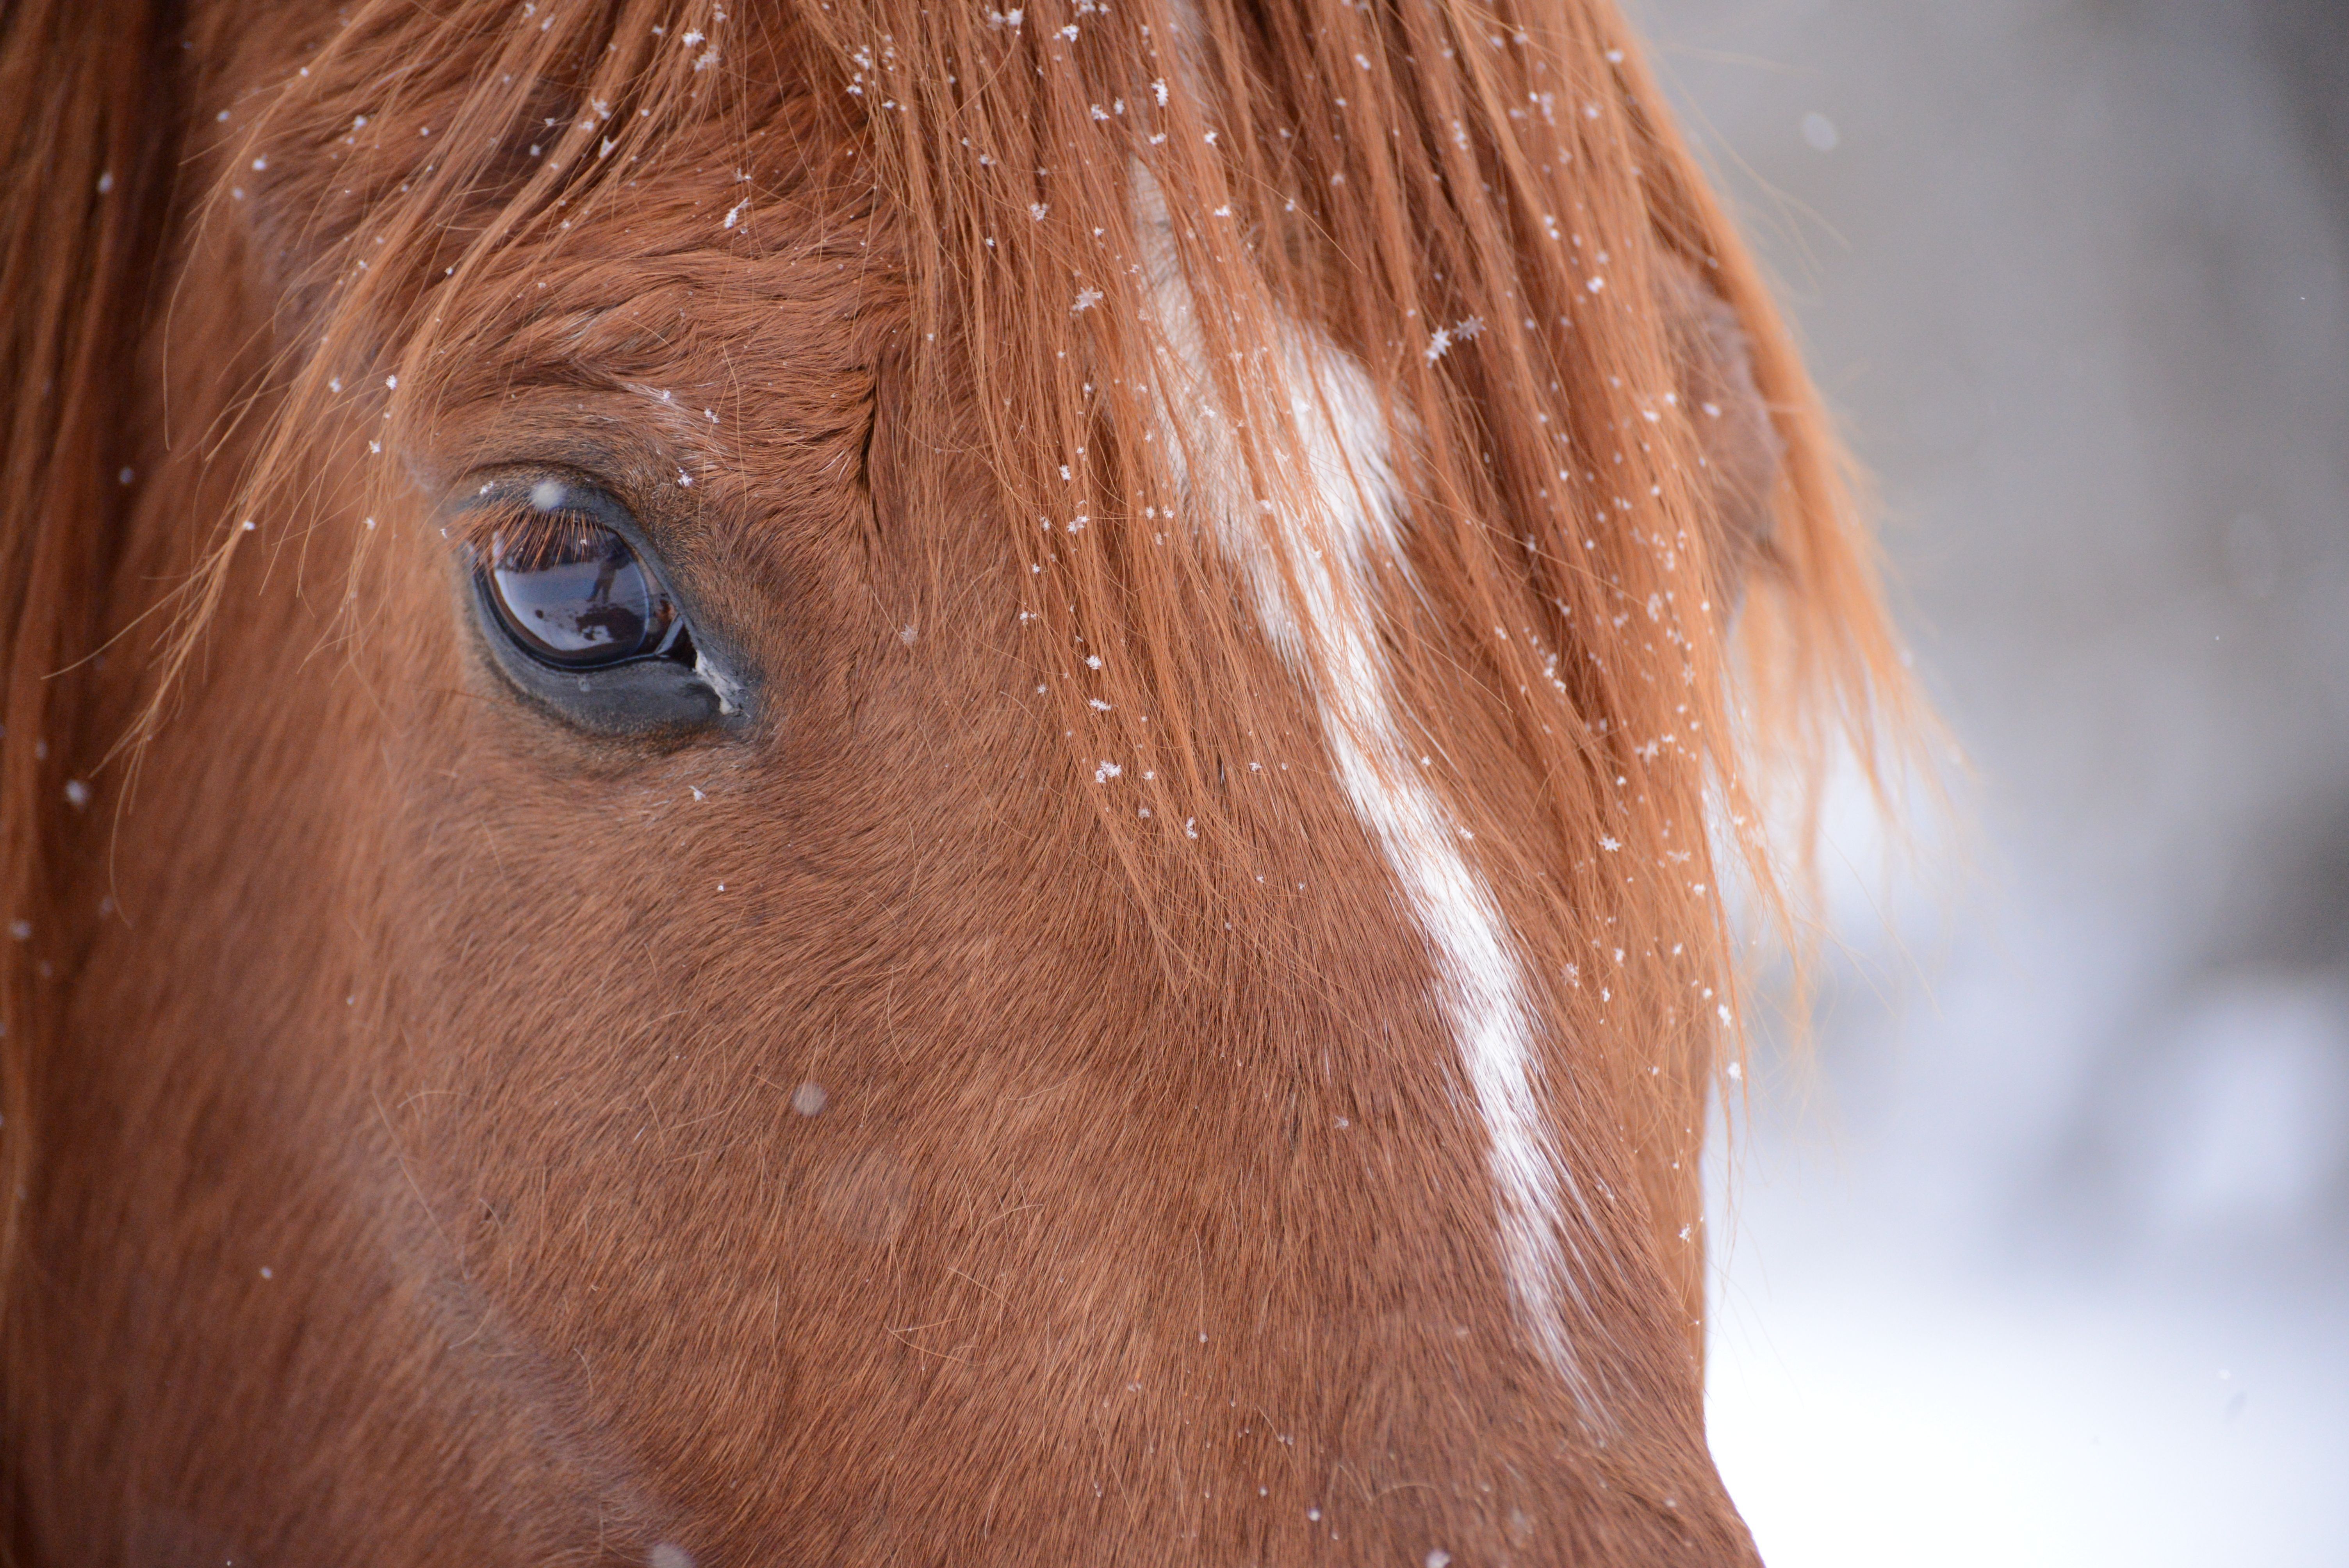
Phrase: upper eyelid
(506, 497)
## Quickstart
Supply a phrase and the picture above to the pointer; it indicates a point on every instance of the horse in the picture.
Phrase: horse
(857, 781)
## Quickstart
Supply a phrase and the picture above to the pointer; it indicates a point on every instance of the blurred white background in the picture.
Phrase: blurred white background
(2044, 1257)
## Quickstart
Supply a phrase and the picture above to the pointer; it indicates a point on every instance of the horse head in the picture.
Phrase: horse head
(864, 782)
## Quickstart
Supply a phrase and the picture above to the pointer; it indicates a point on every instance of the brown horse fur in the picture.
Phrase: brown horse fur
(414, 1142)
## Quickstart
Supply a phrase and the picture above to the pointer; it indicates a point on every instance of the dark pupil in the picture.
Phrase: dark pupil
(573, 593)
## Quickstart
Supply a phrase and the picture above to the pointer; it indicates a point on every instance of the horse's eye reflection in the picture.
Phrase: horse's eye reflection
(575, 594)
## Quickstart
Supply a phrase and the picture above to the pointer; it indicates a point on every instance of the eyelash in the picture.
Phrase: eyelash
(474, 532)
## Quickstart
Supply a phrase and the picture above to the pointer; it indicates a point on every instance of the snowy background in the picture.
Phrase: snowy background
(2043, 1256)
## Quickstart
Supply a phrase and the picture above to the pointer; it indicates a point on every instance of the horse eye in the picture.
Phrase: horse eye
(572, 609)
(575, 594)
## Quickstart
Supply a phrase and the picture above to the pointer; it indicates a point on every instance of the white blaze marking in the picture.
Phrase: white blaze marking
(1322, 621)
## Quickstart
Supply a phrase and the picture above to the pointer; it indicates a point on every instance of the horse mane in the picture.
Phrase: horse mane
(1486, 206)
(85, 133)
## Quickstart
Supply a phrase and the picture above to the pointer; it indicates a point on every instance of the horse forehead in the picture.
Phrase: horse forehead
(646, 307)
(1310, 555)
(694, 263)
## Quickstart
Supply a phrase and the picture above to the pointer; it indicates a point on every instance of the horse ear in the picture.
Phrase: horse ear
(1741, 446)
